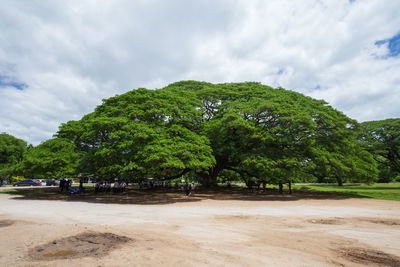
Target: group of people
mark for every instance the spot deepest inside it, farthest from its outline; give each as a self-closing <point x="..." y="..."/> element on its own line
<point x="120" y="186"/>
<point x="254" y="184"/>
<point x="189" y="188"/>
<point x="106" y="187"/>
<point x="154" y="184"/>
<point x="65" y="185"/>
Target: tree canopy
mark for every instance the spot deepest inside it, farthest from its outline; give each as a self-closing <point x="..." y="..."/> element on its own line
<point x="206" y="130"/>
<point x="382" y="140"/>
<point x="54" y="158"/>
<point x="11" y="152"/>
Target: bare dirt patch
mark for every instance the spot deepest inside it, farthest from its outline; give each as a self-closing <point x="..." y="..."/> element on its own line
<point x="327" y="221"/>
<point x="369" y="257"/>
<point x="5" y="223"/>
<point x="390" y="222"/>
<point x="234" y="217"/>
<point x="218" y="230"/>
<point x="89" y="244"/>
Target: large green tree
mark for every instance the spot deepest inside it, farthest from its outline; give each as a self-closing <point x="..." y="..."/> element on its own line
<point x="207" y="130"/>
<point x="382" y="140"/>
<point x="275" y="135"/>
<point x="11" y="152"/>
<point x="54" y="158"/>
<point x="143" y="133"/>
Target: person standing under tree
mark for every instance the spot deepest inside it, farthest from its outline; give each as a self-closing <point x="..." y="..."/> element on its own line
<point x="62" y="184"/>
<point x="116" y="186"/>
<point x="280" y="187"/>
<point x="187" y="189"/>
<point x="67" y="184"/>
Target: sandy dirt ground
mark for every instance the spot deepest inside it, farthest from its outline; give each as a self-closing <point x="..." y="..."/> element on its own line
<point x="208" y="232"/>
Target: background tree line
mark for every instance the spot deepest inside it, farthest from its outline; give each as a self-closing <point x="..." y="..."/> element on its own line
<point x="243" y="131"/>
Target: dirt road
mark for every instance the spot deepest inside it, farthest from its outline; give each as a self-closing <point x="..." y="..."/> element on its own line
<point x="346" y="232"/>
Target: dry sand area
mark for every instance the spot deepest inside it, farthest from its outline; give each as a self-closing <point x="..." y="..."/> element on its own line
<point x="208" y="231"/>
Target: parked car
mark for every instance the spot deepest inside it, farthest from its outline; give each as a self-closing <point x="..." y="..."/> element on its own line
<point x="52" y="182"/>
<point x="28" y="182"/>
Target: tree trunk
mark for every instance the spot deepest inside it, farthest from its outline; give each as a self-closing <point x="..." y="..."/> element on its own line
<point x="339" y="180"/>
<point x="290" y="187"/>
<point x="280" y="188"/>
<point x="320" y="179"/>
<point x="209" y="181"/>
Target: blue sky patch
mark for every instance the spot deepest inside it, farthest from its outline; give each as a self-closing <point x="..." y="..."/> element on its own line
<point x="393" y="45"/>
<point x="6" y="81"/>
<point x="280" y="71"/>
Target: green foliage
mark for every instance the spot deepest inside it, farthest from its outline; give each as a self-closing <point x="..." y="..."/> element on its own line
<point x="11" y="152"/>
<point x="140" y="134"/>
<point x="55" y="158"/>
<point x="16" y="179"/>
<point x="275" y="135"/>
<point x="382" y="139"/>
<point x="247" y="130"/>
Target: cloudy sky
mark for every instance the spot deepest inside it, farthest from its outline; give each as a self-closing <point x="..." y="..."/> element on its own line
<point x="58" y="59"/>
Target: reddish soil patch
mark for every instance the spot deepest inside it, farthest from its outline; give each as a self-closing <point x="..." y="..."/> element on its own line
<point x="369" y="257"/>
<point x="5" y="223"/>
<point x="87" y="244"/>
<point x="383" y="221"/>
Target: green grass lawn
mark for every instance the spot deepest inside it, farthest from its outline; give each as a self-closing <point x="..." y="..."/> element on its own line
<point x="377" y="191"/>
<point x="21" y="192"/>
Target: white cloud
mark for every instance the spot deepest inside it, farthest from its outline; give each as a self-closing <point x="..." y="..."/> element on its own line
<point x="71" y="55"/>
